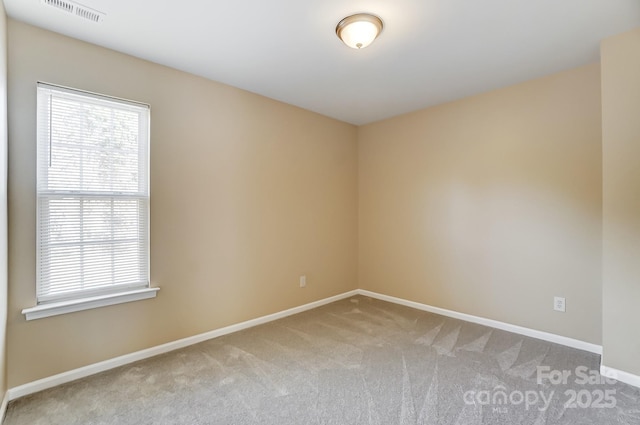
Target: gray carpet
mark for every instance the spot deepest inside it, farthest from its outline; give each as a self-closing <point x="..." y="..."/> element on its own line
<point x="356" y="361"/>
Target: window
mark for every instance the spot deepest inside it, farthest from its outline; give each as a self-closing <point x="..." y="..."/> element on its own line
<point x="92" y="196"/>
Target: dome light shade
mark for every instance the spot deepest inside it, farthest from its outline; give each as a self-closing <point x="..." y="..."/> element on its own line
<point x="358" y="31"/>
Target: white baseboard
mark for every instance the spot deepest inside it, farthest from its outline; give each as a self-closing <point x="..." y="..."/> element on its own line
<point x="563" y="340"/>
<point x="72" y="375"/>
<point x="619" y="375"/>
<point x="3" y="406"/>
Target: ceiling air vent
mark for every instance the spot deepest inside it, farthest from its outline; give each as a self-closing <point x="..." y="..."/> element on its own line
<point x="88" y="14"/>
<point x="76" y="9"/>
<point x="60" y="4"/>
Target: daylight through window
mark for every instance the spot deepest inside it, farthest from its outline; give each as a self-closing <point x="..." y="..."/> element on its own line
<point x="92" y="194"/>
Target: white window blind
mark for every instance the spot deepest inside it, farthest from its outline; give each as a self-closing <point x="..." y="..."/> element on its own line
<point x="92" y="194"/>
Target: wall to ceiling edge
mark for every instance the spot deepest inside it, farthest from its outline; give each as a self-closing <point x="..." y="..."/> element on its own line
<point x="620" y="58"/>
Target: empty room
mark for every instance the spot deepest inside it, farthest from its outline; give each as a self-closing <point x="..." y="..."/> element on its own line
<point x="320" y="212"/>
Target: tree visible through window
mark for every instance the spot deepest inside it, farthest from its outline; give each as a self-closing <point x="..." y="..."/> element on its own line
<point x="93" y="194"/>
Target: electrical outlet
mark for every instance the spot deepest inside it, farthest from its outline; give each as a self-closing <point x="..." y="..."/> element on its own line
<point x="303" y="281"/>
<point x="559" y="304"/>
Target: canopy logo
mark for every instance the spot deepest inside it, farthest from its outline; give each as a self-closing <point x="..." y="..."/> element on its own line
<point x="574" y="398"/>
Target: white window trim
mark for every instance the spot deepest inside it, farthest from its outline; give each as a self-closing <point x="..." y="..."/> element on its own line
<point x="63" y="307"/>
<point x="55" y="308"/>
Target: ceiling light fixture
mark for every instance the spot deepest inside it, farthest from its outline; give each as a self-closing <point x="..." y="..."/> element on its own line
<point x="359" y="30"/>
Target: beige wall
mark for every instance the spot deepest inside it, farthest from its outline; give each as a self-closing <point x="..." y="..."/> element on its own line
<point x="620" y="57"/>
<point x="490" y="205"/>
<point x="3" y="198"/>
<point x="246" y="195"/>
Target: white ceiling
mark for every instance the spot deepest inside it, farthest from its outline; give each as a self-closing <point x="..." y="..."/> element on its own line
<point x="430" y="51"/>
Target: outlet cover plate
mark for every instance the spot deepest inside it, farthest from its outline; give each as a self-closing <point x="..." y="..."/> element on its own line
<point x="559" y="304"/>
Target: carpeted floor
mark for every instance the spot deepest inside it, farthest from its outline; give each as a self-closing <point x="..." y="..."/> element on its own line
<point x="356" y="361"/>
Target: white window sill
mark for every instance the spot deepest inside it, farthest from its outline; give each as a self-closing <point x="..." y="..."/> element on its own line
<point x="63" y="307"/>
